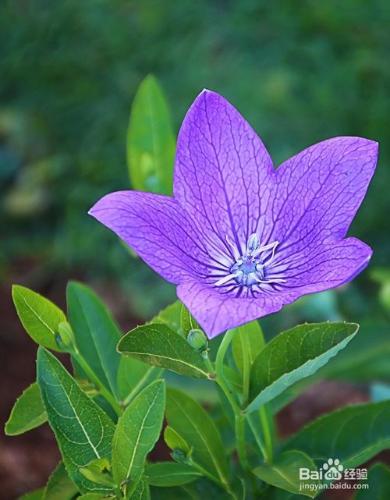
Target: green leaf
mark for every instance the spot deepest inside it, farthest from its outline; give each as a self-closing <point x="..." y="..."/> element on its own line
<point x="150" y="140"/>
<point x="247" y="343"/>
<point x="82" y="429"/>
<point x="193" y="424"/>
<point x="176" y="493"/>
<point x="33" y="495"/>
<point x="133" y="376"/>
<point x="353" y="434"/>
<point x="171" y="316"/>
<point x="98" y="471"/>
<point x="59" y="485"/>
<point x="284" y="472"/>
<point x="166" y="474"/>
<point x="232" y="377"/>
<point x="141" y="492"/>
<point x="174" y="441"/>
<point x="137" y="432"/>
<point x="96" y="333"/>
<point x="93" y="496"/>
<point x="378" y="484"/>
<point x="291" y="393"/>
<point x="28" y="412"/>
<point x="187" y="321"/>
<point x="273" y="493"/>
<point x="38" y="315"/>
<point x="294" y="355"/>
<point x="158" y="345"/>
<point x="366" y="359"/>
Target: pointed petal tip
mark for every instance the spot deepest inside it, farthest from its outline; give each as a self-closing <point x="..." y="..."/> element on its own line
<point x="108" y="202"/>
<point x="207" y="91"/>
<point x="209" y="95"/>
<point x="102" y="209"/>
<point x="371" y="147"/>
<point x="95" y="208"/>
<point x="370" y="143"/>
<point x="366" y="255"/>
<point x="375" y="146"/>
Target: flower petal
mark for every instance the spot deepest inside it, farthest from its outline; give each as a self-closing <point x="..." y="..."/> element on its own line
<point x="328" y="266"/>
<point x="217" y="312"/>
<point x="320" y="190"/>
<point x="156" y="227"/>
<point x="222" y="172"/>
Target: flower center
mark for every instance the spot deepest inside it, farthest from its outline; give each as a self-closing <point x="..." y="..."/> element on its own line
<point x="247" y="270"/>
<point x="251" y="267"/>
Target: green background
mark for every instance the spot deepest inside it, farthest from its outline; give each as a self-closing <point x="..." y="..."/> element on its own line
<point x="299" y="72"/>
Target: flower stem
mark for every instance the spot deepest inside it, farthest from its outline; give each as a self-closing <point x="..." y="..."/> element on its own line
<point x="239" y="423"/>
<point x="239" y="417"/>
<point x="223" y="386"/>
<point x="227" y="338"/>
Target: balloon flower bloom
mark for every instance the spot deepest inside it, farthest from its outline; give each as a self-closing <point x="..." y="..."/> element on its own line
<point x="240" y="238"/>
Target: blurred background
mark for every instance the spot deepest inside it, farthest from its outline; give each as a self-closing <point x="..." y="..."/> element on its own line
<point x="299" y="72"/>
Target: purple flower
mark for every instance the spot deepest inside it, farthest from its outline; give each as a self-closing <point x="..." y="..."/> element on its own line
<point x="239" y="237"/>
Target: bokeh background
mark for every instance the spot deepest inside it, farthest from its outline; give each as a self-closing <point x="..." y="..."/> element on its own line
<point x="299" y="72"/>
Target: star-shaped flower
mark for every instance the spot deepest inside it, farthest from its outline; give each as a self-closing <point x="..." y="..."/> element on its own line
<point x="239" y="238"/>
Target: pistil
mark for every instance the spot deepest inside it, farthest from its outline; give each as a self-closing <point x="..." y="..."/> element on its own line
<point x="251" y="268"/>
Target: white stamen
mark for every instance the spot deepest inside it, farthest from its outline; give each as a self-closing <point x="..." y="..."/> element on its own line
<point x="272" y="280"/>
<point x="226" y="279"/>
<point x="271" y="246"/>
<point x="233" y="247"/>
<point x="250" y="268"/>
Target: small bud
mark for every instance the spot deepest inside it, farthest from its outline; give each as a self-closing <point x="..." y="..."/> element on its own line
<point x="65" y="338"/>
<point x="197" y="340"/>
<point x="179" y="456"/>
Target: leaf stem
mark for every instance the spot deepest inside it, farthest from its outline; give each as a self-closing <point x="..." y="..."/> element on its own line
<point x="264" y="420"/>
<point x="258" y="439"/>
<point x="239" y="420"/>
<point x="91" y="375"/>
<point x="209" y="364"/>
<point x="220" y="482"/>
<point x="265" y="440"/>
<point x="245" y="381"/>
<point x="206" y="473"/>
<point x="225" y="389"/>
<point x="137" y="387"/>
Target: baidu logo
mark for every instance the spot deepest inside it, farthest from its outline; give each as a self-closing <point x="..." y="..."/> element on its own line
<point x="333" y="469"/>
<point x="329" y="475"/>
